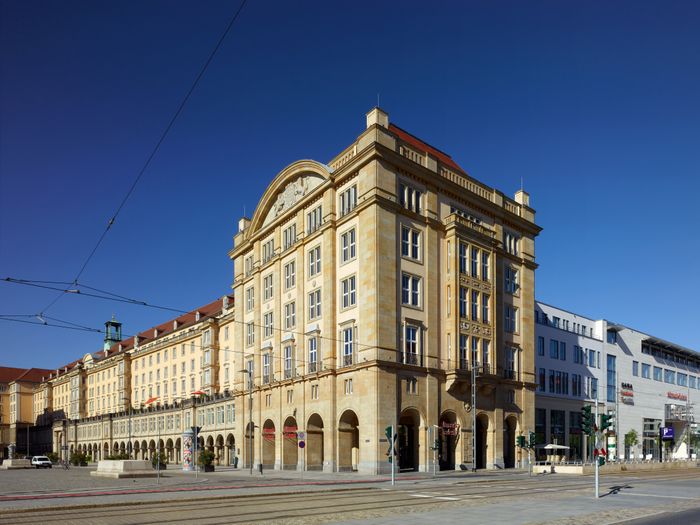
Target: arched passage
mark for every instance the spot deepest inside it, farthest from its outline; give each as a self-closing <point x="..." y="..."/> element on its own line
<point x="144" y="450"/>
<point x="105" y="448"/>
<point x="314" y="443"/>
<point x="169" y="450"/>
<point x="268" y="444"/>
<point x="137" y="450"/>
<point x="290" y="450"/>
<point x="178" y="450"/>
<point x="482" y="428"/>
<point x="409" y="424"/>
<point x="230" y="449"/>
<point x="348" y="441"/>
<point x="509" y="431"/>
<point x="220" y="456"/>
<point x="448" y="436"/>
<point x="248" y="453"/>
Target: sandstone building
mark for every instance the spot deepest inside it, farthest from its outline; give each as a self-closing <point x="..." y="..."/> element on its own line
<point x="365" y="292"/>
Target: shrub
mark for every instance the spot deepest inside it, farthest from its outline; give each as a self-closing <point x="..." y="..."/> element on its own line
<point x="53" y="457"/>
<point x="206" y="457"/>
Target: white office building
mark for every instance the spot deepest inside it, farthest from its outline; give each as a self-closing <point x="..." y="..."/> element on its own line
<point x="648" y="383"/>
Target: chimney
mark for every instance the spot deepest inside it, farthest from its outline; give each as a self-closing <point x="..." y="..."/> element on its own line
<point x="377" y="116"/>
<point x="522" y="197"/>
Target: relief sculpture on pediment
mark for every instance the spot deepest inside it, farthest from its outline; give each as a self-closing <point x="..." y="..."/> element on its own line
<point x="291" y="194"/>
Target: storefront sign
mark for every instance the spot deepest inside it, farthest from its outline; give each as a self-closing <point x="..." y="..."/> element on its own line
<point x="627" y="386"/>
<point x="676" y="395"/>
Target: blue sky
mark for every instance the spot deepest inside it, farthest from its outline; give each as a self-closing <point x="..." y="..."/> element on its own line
<point x="594" y="104"/>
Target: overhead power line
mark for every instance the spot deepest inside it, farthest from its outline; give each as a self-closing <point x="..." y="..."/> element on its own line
<point x="108" y="296"/>
<point x="153" y="153"/>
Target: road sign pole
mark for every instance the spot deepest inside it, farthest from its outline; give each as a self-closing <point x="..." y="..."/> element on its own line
<point x="393" y="456"/>
<point x="595" y="457"/>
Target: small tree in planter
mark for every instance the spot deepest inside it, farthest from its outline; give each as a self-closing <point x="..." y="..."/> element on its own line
<point x="206" y="460"/>
<point x="159" y="458"/>
<point x="78" y="459"/>
<point x="631" y="440"/>
<point x="53" y="457"/>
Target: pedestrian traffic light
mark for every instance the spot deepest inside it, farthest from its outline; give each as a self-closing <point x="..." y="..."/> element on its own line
<point x="521" y="441"/>
<point x="601" y="461"/>
<point x="606" y="421"/>
<point x="533" y="440"/>
<point x="387" y="433"/>
<point x="587" y="420"/>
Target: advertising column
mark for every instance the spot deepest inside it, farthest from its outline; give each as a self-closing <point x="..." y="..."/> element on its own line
<point x="188" y="451"/>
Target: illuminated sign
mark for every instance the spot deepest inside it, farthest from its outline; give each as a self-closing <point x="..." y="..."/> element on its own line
<point x="667" y="433"/>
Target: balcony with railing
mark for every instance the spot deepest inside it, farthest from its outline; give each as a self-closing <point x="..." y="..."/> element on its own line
<point x="675" y="412"/>
<point x="509" y="373"/>
<point x="348" y="360"/>
<point x="312" y="367"/>
<point x="266" y="379"/>
<point x="288" y="373"/>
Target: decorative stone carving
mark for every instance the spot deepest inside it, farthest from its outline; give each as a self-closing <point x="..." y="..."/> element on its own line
<point x="291" y="194"/>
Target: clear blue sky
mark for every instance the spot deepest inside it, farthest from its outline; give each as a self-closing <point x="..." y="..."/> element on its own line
<point x="594" y="104"/>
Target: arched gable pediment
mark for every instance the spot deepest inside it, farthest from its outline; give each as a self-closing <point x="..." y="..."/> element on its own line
<point x="290" y="185"/>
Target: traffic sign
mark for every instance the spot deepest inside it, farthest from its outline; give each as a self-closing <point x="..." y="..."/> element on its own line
<point x="302" y="444"/>
<point x="300" y="435"/>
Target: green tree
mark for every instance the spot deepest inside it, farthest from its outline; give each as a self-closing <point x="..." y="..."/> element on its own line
<point x="631" y="438"/>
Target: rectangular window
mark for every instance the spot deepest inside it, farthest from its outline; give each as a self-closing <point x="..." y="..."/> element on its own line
<point x="562" y="350"/>
<point x="475" y="262"/>
<point x="314" y="261"/>
<point x="266" y="368"/>
<point x="611" y="378"/>
<point x="485" y="343"/>
<point x="463" y="251"/>
<point x="540" y="345"/>
<point x="463" y="352"/>
<point x="315" y="304"/>
<point x="646" y="371"/>
<point x="463" y="302"/>
<point x="268" y="250"/>
<point x="313" y="354"/>
<point x="289" y="236"/>
<point x="410" y="289"/>
<point x="554" y="349"/>
<point x="552" y="382"/>
<point x="509" y="369"/>
<point x="485" y="265"/>
<point x="250" y="334"/>
<point x="267" y="287"/>
<point x="657" y="373"/>
<point x="485" y="298"/>
<point x="347" y="340"/>
<point x="267" y="323"/>
<point x="635" y="368"/>
<point x="347" y="246"/>
<point x="542" y="380"/>
<point x="348" y="200"/>
<point x="288" y="362"/>
<point x="313" y="220"/>
<point x="290" y="315"/>
<point x="692" y="382"/>
<point x="410" y="198"/>
<point x="510" y="242"/>
<point x="511" y="319"/>
<point x="591" y="358"/>
<point x="411" y="356"/>
<point x="594" y="388"/>
<point x="682" y="379"/>
<point x="410" y="243"/>
<point x="348" y="292"/>
<point x="290" y="275"/>
<point x="511" y="279"/>
<point x="670" y="377"/>
<point x="348" y="387"/>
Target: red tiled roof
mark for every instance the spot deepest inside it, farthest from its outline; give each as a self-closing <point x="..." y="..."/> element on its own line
<point x="33" y="375"/>
<point x="425" y="147"/>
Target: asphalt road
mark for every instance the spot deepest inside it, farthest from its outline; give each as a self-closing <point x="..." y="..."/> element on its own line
<point x="458" y="499"/>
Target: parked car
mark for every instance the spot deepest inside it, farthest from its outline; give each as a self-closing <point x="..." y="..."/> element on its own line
<point x="41" y="462"/>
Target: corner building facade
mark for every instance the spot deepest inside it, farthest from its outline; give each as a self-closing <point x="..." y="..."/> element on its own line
<point x="370" y="292"/>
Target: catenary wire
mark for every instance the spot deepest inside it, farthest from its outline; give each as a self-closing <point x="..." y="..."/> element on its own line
<point x="153" y="153"/>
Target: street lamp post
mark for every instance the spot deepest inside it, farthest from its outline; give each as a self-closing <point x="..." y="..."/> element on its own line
<point x="250" y="416"/>
<point x="129" y="446"/>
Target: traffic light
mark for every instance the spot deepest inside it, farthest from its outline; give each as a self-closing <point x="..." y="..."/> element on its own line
<point x="521" y="441"/>
<point x="387" y="433"/>
<point x="601" y="461"/>
<point x="392" y="444"/>
<point x="587" y="420"/>
<point x="606" y="421"/>
<point x="533" y="440"/>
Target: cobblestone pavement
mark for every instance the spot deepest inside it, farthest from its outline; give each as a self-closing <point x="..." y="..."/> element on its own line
<point x="513" y="499"/>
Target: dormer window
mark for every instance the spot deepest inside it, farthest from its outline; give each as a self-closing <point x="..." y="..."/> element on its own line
<point x="174" y="325"/>
<point x="196" y="316"/>
<point x="155" y="332"/>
